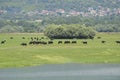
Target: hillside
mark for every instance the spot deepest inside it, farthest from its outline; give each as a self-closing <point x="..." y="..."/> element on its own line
<point x="94" y="7"/>
<point x="54" y="4"/>
<point x="100" y="13"/>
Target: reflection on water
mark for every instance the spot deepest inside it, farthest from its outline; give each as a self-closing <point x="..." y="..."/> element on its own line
<point x="64" y="72"/>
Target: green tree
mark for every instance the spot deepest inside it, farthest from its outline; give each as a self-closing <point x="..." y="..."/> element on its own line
<point x="69" y="32"/>
<point x="11" y="29"/>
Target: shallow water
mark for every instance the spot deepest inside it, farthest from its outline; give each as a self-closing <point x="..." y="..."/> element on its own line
<point x="63" y="72"/>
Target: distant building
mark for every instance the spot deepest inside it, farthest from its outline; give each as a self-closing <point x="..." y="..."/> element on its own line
<point x="3" y="11"/>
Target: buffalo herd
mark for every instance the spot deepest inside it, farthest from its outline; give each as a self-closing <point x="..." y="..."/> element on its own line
<point x="36" y="41"/>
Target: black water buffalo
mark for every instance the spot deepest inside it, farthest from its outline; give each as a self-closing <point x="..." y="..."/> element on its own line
<point x="11" y="37"/>
<point x="32" y="38"/>
<point x="67" y="42"/>
<point x="118" y="42"/>
<point x="42" y="37"/>
<point x="23" y="44"/>
<point x="98" y="37"/>
<point x="37" y="38"/>
<point x="103" y="41"/>
<point x="37" y="42"/>
<point x="59" y="42"/>
<point x="84" y="42"/>
<point x="74" y="42"/>
<point x="23" y="37"/>
<point x="50" y="42"/>
<point x="43" y="42"/>
<point x="91" y="37"/>
<point x="3" y="42"/>
<point x="32" y="42"/>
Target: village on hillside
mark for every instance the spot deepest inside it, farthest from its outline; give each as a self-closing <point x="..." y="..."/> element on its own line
<point x="100" y="11"/>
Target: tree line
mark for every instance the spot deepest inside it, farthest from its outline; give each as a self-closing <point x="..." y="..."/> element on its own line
<point x="12" y="26"/>
<point x="100" y="24"/>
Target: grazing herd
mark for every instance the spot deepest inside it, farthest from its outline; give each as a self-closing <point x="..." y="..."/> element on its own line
<point x="51" y="42"/>
<point x="36" y="41"/>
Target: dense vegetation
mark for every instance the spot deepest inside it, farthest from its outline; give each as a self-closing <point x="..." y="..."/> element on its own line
<point x="100" y="24"/>
<point x="20" y="26"/>
<point x="79" y="5"/>
<point x="69" y="32"/>
<point x="22" y="15"/>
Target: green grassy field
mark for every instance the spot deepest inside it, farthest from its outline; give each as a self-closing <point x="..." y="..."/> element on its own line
<point x="12" y="54"/>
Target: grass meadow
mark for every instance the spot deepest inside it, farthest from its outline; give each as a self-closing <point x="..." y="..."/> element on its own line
<point x="12" y="54"/>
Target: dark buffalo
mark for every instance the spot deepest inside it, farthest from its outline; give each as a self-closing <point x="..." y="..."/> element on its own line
<point x="32" y="42"/>
<point x="3" y="42"/>
<point x="37" y="42"/>
<point x="50" y="42"/>
<point x="37" y="38"/>
<point x="74" y="42"/>
<point x="98" y="37"/>
<point x="118" y="42"/>
<point x="84" y="42"/>
<point x="103" y="41"/>
<point x="32" y="38"/>
<point x="91" y="37"/>
<point x="59" y="42"/>
<point x="42" y="37"/>
<point x="67" y="42"/>
<point x="43" y="42"/>
<point x="23" y="37"/>
<point x="23" y="44"/>
<point x="11" y="37"/>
